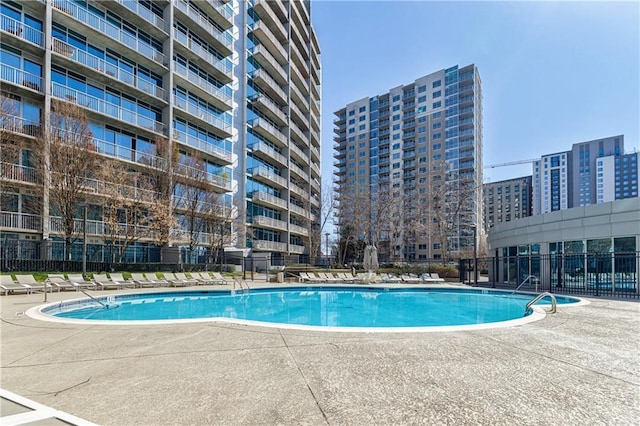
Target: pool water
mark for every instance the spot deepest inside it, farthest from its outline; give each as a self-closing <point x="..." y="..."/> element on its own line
<point x="311" y="306"/>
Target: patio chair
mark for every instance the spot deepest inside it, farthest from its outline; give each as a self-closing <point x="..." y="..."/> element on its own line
<point x="307" y="277"/>
<point x="104" y="282"/>
<point x="436" y="278"/>
<point x="219" y="278"/>
<point x="142" y="281"/>
<point x="79" y="282"/>
<point x="31" y="282"/>
<point x="173" y="280"/>
<point x="119" y="279"/>
<point x="409" y="279"/>
<point x="329" y="277"/>
<point x="188" y="281"/>
<point x="389" y="278"/>
<point x="59" y="282"/>
<point x="9" y="286"/>
<point x="204" y="278"/>
<point x="345" y="277"/>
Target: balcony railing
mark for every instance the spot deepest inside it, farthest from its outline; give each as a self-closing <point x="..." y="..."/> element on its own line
<point x="144" y="13"/>
<point x="271" y="106"/>
<point x="296" y="249"/>
<point x="269" y="222"/>
<point x="22" y="221"/>
<point x="262" y="27"/>
<point x="202" y="145"/>
<point x="19" y="125"/>
<point x="103" y="107"/>
<point x="21" y="78"/>
<point x="222" y="8"/>
<point x="268" y="198"/>
<point x="269" y="245"/>
<point x="268" y="174"/>
<point x="263" y="147"/>
<point x="204" y="23"/>
<point x="109" y="29"/>
<point x="84" y="58"/>
<point x="261" y="74"/>
<point x="298" y="210"/>
<point x="21" y="30"/>
<point x="201" y="82"/>
<point x="201" y="113"/>
<point x="298" y="229"/>
<point x="270" y="62"/>
<point x="203" y="53"/>
<point x="297" y="151"/>
<point x="271" y="131"/>
<point x="18" y="173"/>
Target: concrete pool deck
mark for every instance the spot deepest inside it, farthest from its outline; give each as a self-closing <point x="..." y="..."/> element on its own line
<point x="579" y="366"/>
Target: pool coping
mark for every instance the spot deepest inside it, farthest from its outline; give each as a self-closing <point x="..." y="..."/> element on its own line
<point x="538" y="313"/>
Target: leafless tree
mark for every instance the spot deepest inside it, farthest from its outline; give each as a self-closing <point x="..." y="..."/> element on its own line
<point x="354" y="221"/>
<point x="124" y="207"/>
<point x="67" y="160"/>
<point x="10" y="124"/>
<point x="317" y="222"/>
<point x="218" y="218"/>
<point x="159" y="179"/>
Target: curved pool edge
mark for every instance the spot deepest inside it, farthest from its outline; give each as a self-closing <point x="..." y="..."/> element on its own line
<point x="538" y="313"/>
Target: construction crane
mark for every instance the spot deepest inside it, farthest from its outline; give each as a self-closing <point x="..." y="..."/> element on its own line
<point x="510" y="163"/>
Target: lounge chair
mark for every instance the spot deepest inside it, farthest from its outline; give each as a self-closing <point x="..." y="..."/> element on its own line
<point x="329" y="277"/>
<point x="219" y="279"/>
<point x="173" y="280"/>
<point x="345" y="277"/>
<point x="30" y="281"/>
<point x="142" y="281"/>
<point x="119" y="279"/>
<point x="434" y="277"/>
<point x="409" y="279"/>
<point x="188" y="281"/>
<point x="9" y="286"/>
<point x="388" y="278"/>
<point x="79" y="282"/>
<point x="204" y="278"/>
<point x="59" y="282"/>
<point x="308" y="278"/>
<point x="366" y="278"/>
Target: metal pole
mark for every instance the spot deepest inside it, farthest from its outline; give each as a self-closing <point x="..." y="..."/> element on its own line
<point x="475" y="256"/>
<point x="84" y="241"/>
<point x="327" y="244"/>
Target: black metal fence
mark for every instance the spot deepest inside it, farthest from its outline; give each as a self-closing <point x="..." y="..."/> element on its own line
<point x="594" y="274"/>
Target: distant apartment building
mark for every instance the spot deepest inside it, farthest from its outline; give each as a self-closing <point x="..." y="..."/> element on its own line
<point x="506" y="200"/>
<point x="403" y="146"/>
<point x="617" y="177"/>
<point x="235" y="83"/>
<point x="569" y="179"/>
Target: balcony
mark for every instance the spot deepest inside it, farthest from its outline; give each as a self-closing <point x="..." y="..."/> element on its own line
<point x="266" y="60"/>
<point x="266" y="38"/>
<point x="299" y="190"/>
<point x="295" y="249"/>
<point x="266" y="13"/>
<point x="18" y="29"/>
<point x="192" y="173"/>
<point x="10" y="221"/>
<point x="106" y="108"/>
<point x="298" y="115"/>
<point x="299" y="134"/>
<point x="265" y="175"/>
<point x="18" y="173"/>
<point x="221" y="41"/>
<point x="145" y="14"/>
<point x="299" y="172"/>
<point x="21" y="78"/>
<point x="98" y="227"/>
<point x="102" y="26"/>
<point x="298" y="153"/>
<point x="222" y="68"/>
<point x="315" y="153"/>
<point x="267" y="151"/>
<point x="269" y="131"/>
<point x="300" y="211"/>
<point x="299" y="81"/>
<point x="315" y="169"/>
<point x="269" y="245"/>
<point x="205" y="88"/>
<point x="20" y="126"/>
<point x="269" y="108"/>
<point x="299" y="98"/>
<point x="298" y="60"/>
<point x="269" y="85"/>
<point x="206" y="116"/>
<point x="220" y="12"/>
<point x="271" y="200"/>
<point x="111" y="71"/>
<point x="202" y="145"/>
<point x="300" y="230"/>
<point x="269" y="222"/>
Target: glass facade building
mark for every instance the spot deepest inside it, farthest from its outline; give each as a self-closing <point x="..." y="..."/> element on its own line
<point x="235" y="83"/>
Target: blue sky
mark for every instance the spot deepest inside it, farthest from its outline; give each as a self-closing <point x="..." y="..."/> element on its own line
<point x="553" y="73"/>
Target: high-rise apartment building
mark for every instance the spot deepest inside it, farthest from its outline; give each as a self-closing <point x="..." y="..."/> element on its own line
<point x="236" y="84"/>
<point x="617" y="177"/>
<point x="568" y="179"/>
<point x="414" y="150"/>
<point x="506" y="200"/>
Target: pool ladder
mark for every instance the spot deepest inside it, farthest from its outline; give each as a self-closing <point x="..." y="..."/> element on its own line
<point x="525" y="281"/>
<point x="242" y="284"/>
<point x="540" y="297"/>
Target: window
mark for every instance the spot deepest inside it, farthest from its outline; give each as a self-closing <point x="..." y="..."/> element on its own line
<point x="396" y="98"/>
<point x="422" y="89"/>
<point x="396" y="117"/>
<point x="437" y="114"/>
<point x="362" y="118"/>
<point x="396" y="108"/>
<point x="422" y="129"/>
<point x="422" y="99"/>
<point x="436" y="135"/>
<point x="363" y="109"/>
<point x="352" y="113"/>
<point x="362" y="127"/>
<point x="436" y="125"/>
<point x="436" y="83"/>
<point x="437" y="104"/>
<point x="437" y="94"/>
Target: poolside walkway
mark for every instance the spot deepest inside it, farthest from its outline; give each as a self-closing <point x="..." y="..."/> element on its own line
<point x="580" y="366"/>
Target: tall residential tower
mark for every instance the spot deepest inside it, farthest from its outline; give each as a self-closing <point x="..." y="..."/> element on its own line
<point x="233" y="83"/>
<point x="415" y="153"/>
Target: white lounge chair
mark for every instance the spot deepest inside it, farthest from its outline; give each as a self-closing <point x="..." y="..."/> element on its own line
<point x="119" y="279"/>
<point x="188" y="281"/>
<point x="140" y="280"/>
<point x="31" y="282"/>
<point x="173" y="280"/>
<point x="9" y="286"/>
<point x="79" y="282"/>
<point x="219" y="278"/>
<point x="59" y="282"/>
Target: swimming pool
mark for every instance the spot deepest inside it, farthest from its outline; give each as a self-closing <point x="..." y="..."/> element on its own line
<point x="326" y="307"/>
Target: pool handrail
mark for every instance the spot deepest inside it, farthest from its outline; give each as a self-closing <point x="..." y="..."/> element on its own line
<point x="523" y="283"/>
<point x="540" y="297"/>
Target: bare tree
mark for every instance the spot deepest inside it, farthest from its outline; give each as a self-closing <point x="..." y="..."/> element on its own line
<point x="318" y="220"/>
<point x="124" y="207"/>
<point x="67" y="161"/>
<point x="354" y="221"/>
<point x="218" y="217"/>
<point x="10" y="124"/>
<point x="159" y="178"/>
